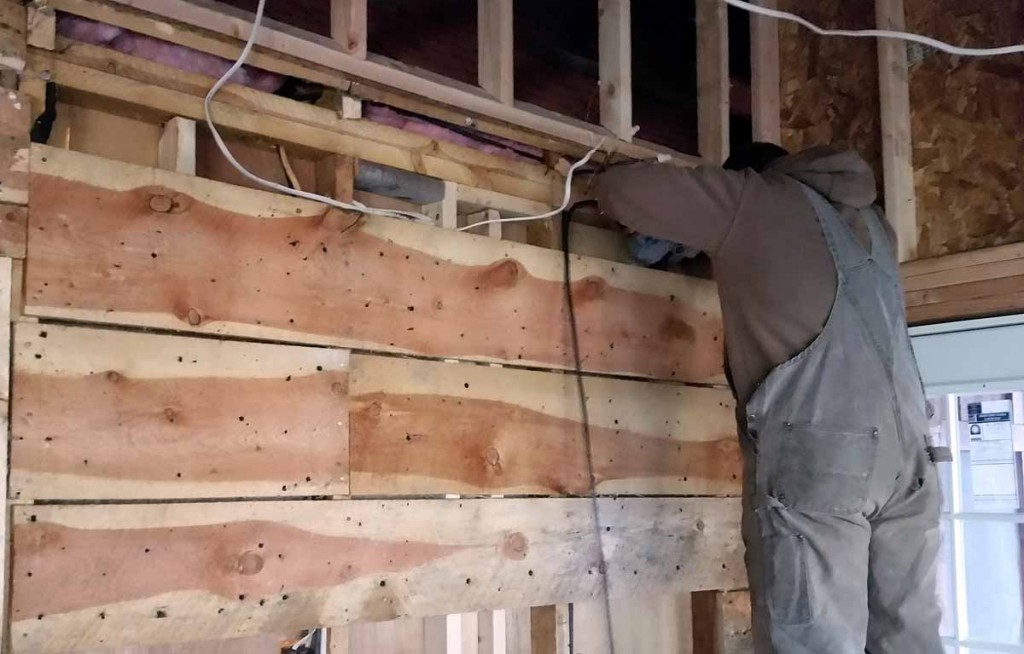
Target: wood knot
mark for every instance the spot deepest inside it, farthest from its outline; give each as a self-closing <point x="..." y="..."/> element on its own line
<point x="335" y="219"/>
<point x="675" y="328"/>
<point x="492" y="456"/>
<point x="503" y="274"/>
<point x="248" y="563"/>
<point x="589" y="289"/>
<point x="373" y="411"/>
<point x="515" y="546"/>
<point x="113" y="376"/>
<point x="194" y="317"/>
<point x="338" y="388"/>
<point x="700" y="525"/>
<point x="170" y="414"/>
<point x="161" y="203"/>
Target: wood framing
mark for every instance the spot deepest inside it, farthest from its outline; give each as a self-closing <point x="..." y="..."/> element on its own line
<point x="255" y="264"/>
<point x="167" y="93"/>
<point x="401" y="636"/>
<point x="488" y="219"/>
<point x="241" y="565"/>
<point x="335" y="178"/>
<point x="722" y="623"/>
<point x="236" y="412"/>
<point x="7" y="282"/>
<point x="304" y="55"/>
<point x="616" y="67"/>
<point x="13" y="230"/>
<point x="42" y="25"/>
<point x="348" y="26"/>
<point x="15" y="124"/>
<point x="764" y="77"/>
<point x="177" y="147"/>
<point x="495" y="49"/>
<point x="446" y="211"/>
<point x="713" y="80"/>
<point x="13" y="25"/>
<point x="470" y="199"/>
<point x="652" y="624"/>
<point x="518" y="631"/>
<point x="897" y="149"/>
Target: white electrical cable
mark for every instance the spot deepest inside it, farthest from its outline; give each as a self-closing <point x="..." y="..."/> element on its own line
<point x="554" y="212"/>
<point x="346" y="206"/>
<point x="877" y="33"/>
<point x="280" y="188"/>
<point x="361" y="208"/>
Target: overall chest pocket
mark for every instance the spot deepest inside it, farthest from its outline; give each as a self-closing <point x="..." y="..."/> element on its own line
<point x="821" y="469"/>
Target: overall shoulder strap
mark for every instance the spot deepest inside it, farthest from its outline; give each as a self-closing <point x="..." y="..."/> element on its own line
<point x="846" y="249"/>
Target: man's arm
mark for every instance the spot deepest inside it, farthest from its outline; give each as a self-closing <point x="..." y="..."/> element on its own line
<point x="693" y="206"/>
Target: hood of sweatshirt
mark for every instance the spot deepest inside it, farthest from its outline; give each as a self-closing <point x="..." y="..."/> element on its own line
<point x="840" y="175"/>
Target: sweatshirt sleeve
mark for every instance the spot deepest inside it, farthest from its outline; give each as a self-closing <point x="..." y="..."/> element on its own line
<point x="692" y="206"/>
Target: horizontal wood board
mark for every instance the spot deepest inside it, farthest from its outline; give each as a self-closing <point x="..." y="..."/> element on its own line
<point x="109" y="575"/>
<point x="100" y="414"/>
<point x="966" y="285"/>
<point x="123" y="244"/>
<point x="104" y="414"/>
<point x="434" y="427"/>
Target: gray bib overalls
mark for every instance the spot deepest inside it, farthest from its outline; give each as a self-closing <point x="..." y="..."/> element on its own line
<point x="841" y="498"/>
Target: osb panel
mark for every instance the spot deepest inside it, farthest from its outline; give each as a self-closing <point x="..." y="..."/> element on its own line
<point x="830" y="85"/>
<point x="968" y="125"/>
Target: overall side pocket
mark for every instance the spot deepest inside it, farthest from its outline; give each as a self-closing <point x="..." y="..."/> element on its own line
<point x="786" y="581"/>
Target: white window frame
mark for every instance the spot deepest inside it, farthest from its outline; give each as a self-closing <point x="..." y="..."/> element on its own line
<point x="996" y="354"/>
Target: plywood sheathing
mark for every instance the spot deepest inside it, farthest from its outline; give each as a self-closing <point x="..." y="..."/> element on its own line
<point x="830" y="85"/>
<point x="968" y="125"/>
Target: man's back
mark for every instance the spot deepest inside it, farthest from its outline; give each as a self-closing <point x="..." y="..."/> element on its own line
<point x="841" y="492"/>
<point x="775" y="274"/>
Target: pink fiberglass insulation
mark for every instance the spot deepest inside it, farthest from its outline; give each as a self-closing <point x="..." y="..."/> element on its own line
<point x="164" y="52"/>
<point x="193" y="61"/>
<point x="498" y="146"/>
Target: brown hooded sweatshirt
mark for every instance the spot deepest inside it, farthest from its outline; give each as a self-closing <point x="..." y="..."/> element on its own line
<point x="775" y="275"/>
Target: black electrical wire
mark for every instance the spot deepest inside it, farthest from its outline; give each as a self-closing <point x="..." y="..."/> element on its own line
<point x="574" y="338"/>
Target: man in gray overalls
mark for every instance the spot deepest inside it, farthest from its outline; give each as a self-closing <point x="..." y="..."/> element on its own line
<point x="841" y="493"/>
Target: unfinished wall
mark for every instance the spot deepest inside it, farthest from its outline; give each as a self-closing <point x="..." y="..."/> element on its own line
<point x="968" y="126"/>
<point x="197" y="452"/>
<point x="830" y="85"/>
<point x="967" y="114"/>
